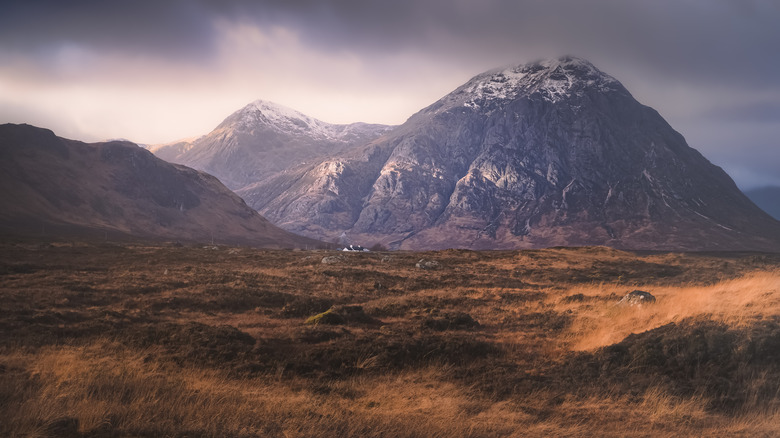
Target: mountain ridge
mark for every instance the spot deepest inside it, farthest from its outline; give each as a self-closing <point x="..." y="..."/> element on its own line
<point x="541" y="154"/>
<point x="261" y="138"/>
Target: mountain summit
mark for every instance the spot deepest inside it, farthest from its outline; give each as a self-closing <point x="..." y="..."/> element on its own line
<point x="549" y="153"/>
<point x="553" y="80"/>
<point x="263" y="138"/>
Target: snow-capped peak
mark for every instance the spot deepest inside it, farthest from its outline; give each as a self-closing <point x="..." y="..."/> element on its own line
<point x="265" y="115"/>
<point x="554" y="79"/>
<point x="274" y="112"/>
<point x="262" y="114"/>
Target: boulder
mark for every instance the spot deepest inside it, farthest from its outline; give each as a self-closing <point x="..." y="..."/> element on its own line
<point x="427" y="264"/>
<point x="637" y="298"/>
<point x="330" y="260"/>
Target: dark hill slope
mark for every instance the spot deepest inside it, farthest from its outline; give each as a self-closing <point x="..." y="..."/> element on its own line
<point x="51" y="185"/>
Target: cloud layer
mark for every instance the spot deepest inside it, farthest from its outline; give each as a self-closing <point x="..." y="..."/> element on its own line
<point x="155" y="71"/>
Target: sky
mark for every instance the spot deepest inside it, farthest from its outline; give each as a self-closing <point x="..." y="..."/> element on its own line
<point x="158" y="71"/>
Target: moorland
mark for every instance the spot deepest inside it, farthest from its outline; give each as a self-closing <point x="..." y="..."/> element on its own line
<point x="138" y="339"/>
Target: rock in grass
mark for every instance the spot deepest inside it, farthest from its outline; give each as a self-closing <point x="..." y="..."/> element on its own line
<point x="330" y="260"/>
<point x="427" y="264"/>
<point x="637" y="298"/>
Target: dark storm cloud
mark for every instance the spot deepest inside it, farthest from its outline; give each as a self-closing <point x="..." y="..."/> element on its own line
<point x="709" y="66"/>
<point x="162" y="28"/>
<point x="760" y="112"/>
<point x="731" y="41"/>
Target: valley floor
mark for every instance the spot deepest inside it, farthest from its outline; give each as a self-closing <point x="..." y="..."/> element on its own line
<point x="100" y="339"/>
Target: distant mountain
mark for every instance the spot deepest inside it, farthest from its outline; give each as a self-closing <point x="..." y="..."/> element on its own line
<point x="262" y="139"/>
<point x="549" y="153"/>
<point x="768" y="198"/>
<point x="55" y="186"/>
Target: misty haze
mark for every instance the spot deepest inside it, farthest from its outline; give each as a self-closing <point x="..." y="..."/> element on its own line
<point x="373" y="219"/>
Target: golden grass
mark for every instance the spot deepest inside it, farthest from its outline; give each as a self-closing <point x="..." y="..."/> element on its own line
<point x="108" y="387"/>
<point x="736" y="302"/>
<point x="132" y="341"/>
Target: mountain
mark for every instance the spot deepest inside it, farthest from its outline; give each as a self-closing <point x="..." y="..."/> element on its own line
<point x="263" y="138"/>
<point x="55" y="186"/>
<point x="544" y="154"/>
<point x="768" y="198"/>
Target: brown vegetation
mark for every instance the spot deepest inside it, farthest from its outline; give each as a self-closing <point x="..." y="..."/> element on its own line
<point x="129" y="340"/>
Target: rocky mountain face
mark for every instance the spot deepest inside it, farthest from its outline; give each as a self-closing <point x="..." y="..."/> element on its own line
<point x="768" y="198"/>
<point x="55" y="186"/>
<point x="544" y="154"/>
<point x="262" y="139"/>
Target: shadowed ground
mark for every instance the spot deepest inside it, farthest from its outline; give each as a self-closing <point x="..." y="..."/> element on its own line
<point x="100" y="339"/>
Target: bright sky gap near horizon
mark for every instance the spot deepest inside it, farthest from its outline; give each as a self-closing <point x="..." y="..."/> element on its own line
<point x="154" y="72"/>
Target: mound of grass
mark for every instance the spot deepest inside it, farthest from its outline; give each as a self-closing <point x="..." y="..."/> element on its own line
<point x="449" y="321"/>
<point x="341" y="315"/>
<point x="695" y="357"/>
<point x="329" y="316"/>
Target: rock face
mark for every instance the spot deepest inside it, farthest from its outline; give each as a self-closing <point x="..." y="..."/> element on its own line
<point x="544" y="154"/>
<point x="55" y="186"/>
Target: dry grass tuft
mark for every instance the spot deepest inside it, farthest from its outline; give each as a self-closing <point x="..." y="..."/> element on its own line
<point x="737" y="302"/>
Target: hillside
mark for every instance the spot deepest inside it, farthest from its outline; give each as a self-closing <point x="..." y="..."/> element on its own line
<point x="116" y="190"/>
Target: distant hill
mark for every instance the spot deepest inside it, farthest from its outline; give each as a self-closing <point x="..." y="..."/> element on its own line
<point x="263" y="139"/>
<point x="54" y="186"/>
<point x="768" y="198"/>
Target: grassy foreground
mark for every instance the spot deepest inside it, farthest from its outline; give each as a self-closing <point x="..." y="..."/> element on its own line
<point x="132" y="340"/>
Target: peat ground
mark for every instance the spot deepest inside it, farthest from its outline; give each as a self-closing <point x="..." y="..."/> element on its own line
<point x="128" y="339"/>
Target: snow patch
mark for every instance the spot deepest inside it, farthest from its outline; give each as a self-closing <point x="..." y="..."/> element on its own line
<point x="282" y="119"/>
<point x="555" y="79"/>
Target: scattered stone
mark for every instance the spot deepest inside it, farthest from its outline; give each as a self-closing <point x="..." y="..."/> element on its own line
<point x="330" y="260"/>
<point x="637" y="298"/>
<point x="427" y="264"/>
<point x="387" y="259"/>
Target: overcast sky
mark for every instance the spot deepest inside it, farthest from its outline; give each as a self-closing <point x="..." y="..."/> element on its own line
<point x="161" y="70"/>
